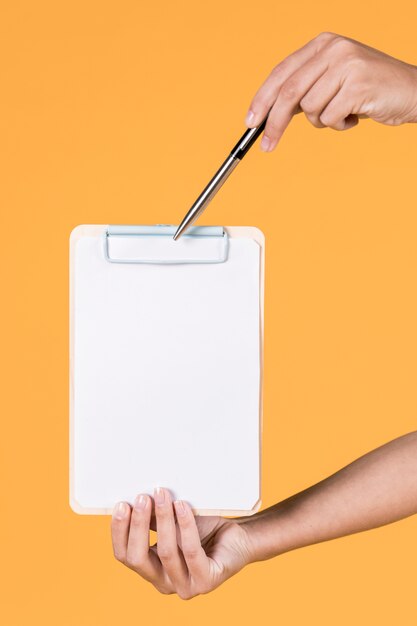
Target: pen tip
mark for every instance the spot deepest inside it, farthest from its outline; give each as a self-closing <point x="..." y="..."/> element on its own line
<point x="180" y="230"/>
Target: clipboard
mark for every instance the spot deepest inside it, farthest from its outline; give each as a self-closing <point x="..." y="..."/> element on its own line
<point x="166" y="366"/>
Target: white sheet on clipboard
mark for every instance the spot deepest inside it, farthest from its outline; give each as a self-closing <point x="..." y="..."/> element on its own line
<point x="166" y="375"/>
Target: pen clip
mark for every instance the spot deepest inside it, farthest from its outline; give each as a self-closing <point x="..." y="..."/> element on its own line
<point x="247" y="140"/>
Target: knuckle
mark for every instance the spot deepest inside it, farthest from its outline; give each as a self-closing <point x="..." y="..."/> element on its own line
<point x="164" y="552"/>
<point x="259" y="103"/>
<point x="133" y="562"/>
<point x="325" y="36"/>
<point x="279" y="69"/>
<point x="191" y="553"/>
<point x="165" y="590"/>
<point x="289" y="90"/>
<point x="324" y="119"/>
<point x="315" y="122"/>
<point x="308" y="105"/>
<point x="344" y="45"/>
<point x="328" y="120"/>
<point x="119" y="556"/>
<point x="356" y="64"/>
<point x="185" y="595"/>
<point x="272" y="128"/>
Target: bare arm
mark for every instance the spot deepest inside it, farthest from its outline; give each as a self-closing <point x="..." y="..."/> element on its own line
<point x="195" y="554"/>
<point x="334" y="81"/>
<point x="376" y="489"/>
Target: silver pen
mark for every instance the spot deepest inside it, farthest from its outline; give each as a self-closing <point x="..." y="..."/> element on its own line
<point x="236" y="155"/>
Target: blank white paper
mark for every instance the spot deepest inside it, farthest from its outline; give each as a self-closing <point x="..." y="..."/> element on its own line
<point x="166" y="378"/>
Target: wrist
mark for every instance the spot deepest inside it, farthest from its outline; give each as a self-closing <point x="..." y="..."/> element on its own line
<point x="412" y="117"/>
<point x="285" y="526"/>
<point x="266" y="533"/>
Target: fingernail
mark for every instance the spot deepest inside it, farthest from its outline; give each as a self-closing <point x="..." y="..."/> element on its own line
<point x="120" y="510"/>
<point x="265" y="143"/>
<point x="179" y="507"/>
<point x="140" y="501"/>
<point x="250" y="117"/>
<point x="159" y="495"/>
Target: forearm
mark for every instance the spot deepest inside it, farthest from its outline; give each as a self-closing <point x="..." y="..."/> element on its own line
<point x="376" y="489"/>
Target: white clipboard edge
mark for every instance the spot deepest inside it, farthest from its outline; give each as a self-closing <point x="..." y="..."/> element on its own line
<point x="232" y="231"/>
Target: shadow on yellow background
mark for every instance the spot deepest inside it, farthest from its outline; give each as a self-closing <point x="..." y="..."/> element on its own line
<point x="120" y="113"/>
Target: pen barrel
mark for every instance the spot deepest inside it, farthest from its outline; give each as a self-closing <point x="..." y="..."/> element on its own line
<point x="219" y="178"/>
<point x="247" y="141"/>
<point x="211" y="189"/>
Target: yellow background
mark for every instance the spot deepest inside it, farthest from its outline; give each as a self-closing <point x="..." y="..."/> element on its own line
<point x="119" y="112"/>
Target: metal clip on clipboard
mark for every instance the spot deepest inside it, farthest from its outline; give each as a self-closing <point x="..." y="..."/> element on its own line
<point x="155" y="244"/>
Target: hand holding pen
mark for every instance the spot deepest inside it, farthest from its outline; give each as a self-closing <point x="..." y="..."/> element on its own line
<point x="334" y="81"/>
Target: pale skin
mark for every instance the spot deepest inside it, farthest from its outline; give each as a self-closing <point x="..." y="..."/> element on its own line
<point x="335" y="81"/>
